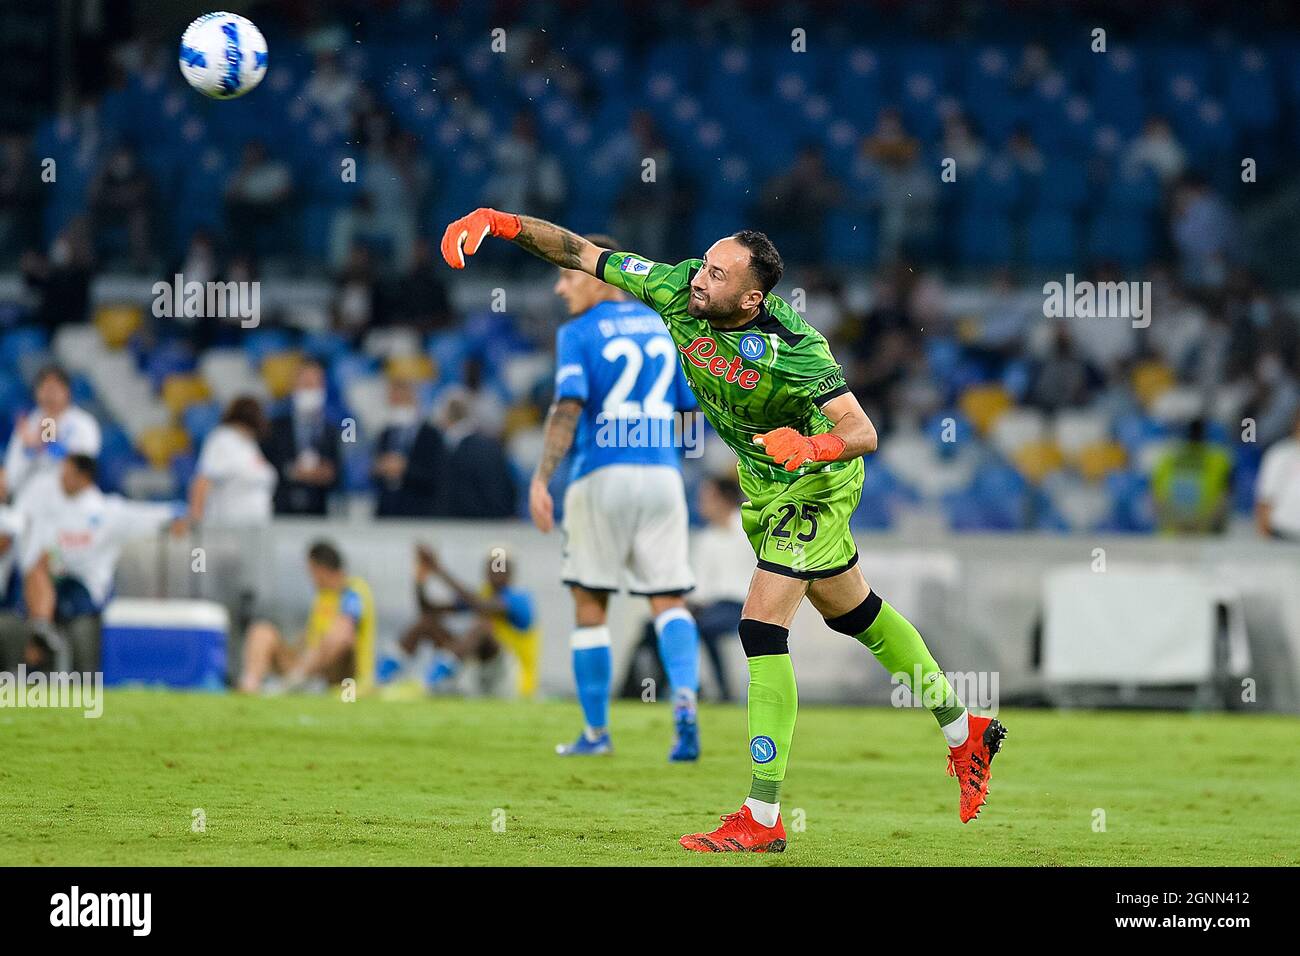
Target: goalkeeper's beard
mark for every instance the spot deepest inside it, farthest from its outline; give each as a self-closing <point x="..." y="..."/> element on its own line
<point x="719" y="317"/>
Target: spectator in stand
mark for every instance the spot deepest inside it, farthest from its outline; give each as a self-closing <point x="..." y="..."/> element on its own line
<point x="234" y="484"/>
<point x="489" y="408"/>
<point x="1277" y="489"/>
<point x="908" y="192"/>
<point x="255" y="199"/>
<point x="795" y="204"/>
<point x="724" y="562"/>
<point x="419" y="298"/>
<point x="20" y="185"/>
<point x="1063" y="379"/>
<point x="526" y="176"/>
<point x="643" y="212"/>
<point x="479" y="483"/>
<point x="1274" y="399"/>
<point x="303" y="445"/>
<point x="331" y="89"/>
<point x="1157" y="149"/>
<point x="73" y="538"/>
<point x="887" y="338"/>
<point x="47" y="434"/>
<point x="1191" y="484"/>
<point x="121" y="197"/>
<point x="358" y="295"/>
<point x="59" y="283"/>
<point x="1024" y="154"/>
<point x="1204" y="233"/>
<point x="409" y="458"/>
<point x="961" y="143"/>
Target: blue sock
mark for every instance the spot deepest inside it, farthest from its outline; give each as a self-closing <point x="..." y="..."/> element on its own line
<point x="679" y="647"/>
<point x="592" y="669"/>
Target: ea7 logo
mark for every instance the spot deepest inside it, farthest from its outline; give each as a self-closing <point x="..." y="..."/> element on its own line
<point x="702" y="353"/>
<point x="103" y="909"/>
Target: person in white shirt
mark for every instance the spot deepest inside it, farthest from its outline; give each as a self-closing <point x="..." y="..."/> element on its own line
<point x="232" y="499"/>
<point x="1277" y="489"/>
<point x="47" y="434"/>
<point x="723" y="560"/>
<point x="73" y="538"/>
<point x="234" y="484"/>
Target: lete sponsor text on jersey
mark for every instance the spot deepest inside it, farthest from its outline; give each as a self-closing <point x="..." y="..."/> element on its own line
<point x="702" y="353"/>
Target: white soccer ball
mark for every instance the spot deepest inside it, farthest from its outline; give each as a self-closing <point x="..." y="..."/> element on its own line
<point x="223" y="55"/>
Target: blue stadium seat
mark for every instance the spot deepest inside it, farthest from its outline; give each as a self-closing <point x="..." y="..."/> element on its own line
<point x="16" y="343"/>
<point x="1120" y="235"/>
<point x="1052" y="238"/>
<point x="199" y="419"/>
<point x="985" y="238"/>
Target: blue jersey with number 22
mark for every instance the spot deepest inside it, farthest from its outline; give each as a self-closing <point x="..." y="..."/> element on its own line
<point x="620" y="362"/>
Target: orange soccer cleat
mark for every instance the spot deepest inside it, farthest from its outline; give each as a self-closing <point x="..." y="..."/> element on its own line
<point x="739" y="833"/>
<point x="970" y="763"/>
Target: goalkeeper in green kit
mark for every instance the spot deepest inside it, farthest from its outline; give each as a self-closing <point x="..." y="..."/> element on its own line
<point x="770" y="387"/>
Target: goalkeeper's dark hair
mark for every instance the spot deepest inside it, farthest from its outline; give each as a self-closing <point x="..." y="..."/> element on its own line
<point x="325" y="555"/>
<point x="603" y="240"/>
<point x="764" y="260"/>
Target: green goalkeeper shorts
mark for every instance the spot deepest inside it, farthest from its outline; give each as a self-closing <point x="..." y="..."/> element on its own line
<point x="801" y="529"/>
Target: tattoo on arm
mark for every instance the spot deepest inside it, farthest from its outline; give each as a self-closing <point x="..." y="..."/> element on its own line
<point x="553" y="243"/>
<point x="561" y="423"/>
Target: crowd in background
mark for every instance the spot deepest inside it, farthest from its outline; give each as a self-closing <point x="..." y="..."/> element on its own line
<point x="1116" y="166"/>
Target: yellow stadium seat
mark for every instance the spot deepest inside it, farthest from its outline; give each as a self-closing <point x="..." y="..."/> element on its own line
<point x="1150" y="381"/>
<point x="278" y="372"/>
<point x="117" y="323"/>
<point x="1038" y="459"/>
<point x="1099" y="459"/>
<point x="161" y="443"/>
<point x="983" y="404"/>
<point x="410" y="368"/>
<point x="180" y="391"/>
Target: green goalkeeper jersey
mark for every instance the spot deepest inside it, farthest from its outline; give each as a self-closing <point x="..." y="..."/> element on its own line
<point x="773" y="371"/>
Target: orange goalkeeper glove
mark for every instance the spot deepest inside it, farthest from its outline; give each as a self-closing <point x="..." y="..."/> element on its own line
<point x="466" y="234"/>
<point x="791" y="449"/>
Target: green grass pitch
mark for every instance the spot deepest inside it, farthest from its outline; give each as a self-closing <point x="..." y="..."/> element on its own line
<point x="307" y="780"/>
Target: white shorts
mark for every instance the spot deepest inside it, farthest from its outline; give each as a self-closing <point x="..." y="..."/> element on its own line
<point x="625" y="526"/>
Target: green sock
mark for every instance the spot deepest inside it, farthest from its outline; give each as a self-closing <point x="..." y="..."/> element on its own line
<point x="897" y="645"/>
<point x="773" y="703"/>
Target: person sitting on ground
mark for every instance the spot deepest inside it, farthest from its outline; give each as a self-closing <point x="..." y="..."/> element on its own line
<point x="338" y="642"/>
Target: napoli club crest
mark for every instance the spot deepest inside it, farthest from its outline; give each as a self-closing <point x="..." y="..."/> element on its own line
<point x="753" y="347"/>
<point x="762" y="749"/>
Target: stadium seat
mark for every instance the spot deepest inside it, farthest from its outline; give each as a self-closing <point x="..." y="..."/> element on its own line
<point x="1075" y="429"/>
<point x="413" y="368"/>
<point x="159" y="444"/>
<point x="117" y="323"/>
<point x="1016" y="428"/>
<point x="1098" y="459"/>
<point x="278" y="371"/>
<point x="1037" y="459"/>
<point x="983" y="405"/>
<point x="78" y="347"/>
<point x="1150" y="380"/>
<point x="180" y="391"/>
<point x="367" y="399"/>
<point x="199" y="419"/>
<point x="229" y="374"/>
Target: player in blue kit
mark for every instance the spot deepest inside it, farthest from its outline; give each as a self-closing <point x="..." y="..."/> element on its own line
<point x="617" y="386"/>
